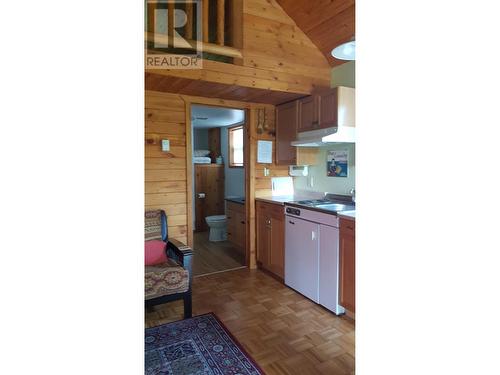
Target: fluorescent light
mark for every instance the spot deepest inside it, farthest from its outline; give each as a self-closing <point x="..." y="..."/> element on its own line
<point x="346" y="51"/>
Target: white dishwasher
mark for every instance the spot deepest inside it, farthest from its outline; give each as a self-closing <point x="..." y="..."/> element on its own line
<point x="312" y="255"/>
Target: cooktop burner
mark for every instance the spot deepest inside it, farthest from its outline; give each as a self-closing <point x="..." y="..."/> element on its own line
<point x="313" y="202"/>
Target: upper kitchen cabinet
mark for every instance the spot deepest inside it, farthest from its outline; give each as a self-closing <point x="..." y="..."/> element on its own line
<point x="286" y="131"/>
<point x="287" y="120"/>
<point x="326" y="109"/>
<point x="308" y="113"/>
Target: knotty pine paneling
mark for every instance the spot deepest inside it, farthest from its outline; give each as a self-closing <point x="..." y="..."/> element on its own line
<point x="263" y="183"/>
<point x="165" y="172"/>
<point x="280" y="63"/>
<point x="272" y="41"/>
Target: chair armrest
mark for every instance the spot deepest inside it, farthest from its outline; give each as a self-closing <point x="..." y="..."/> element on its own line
<point x="179" y="249"/>
<point x="182" y="254"/>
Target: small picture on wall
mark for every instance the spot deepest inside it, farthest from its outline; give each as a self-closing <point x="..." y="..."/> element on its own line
<point x="337" y="163"/>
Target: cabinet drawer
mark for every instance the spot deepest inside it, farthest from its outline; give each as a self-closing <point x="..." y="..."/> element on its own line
<point x="270" y="208"/>
<point x="236" y="207"/>
<point x="347" y="227"/>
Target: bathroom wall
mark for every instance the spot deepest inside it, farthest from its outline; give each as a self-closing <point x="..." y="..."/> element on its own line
<point x="235" y="177"/>
<point x="200" y="139"/>
<point x="320" y="181"/>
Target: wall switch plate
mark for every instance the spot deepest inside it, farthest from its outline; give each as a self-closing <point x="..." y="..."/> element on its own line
<point x="165" y="145"/>
<point x="266" y="171"/>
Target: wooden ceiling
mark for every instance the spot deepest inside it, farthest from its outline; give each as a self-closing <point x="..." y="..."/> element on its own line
<point x="327" y="23"/>
<point x="196" y="87"/>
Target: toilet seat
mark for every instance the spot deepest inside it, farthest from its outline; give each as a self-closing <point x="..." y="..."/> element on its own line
<point x="216" y="218"/>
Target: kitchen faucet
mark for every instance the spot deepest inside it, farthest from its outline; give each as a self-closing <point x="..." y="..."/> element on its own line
<point x="353" y="194"/>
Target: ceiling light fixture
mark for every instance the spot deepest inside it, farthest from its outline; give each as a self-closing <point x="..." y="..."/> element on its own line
<point x="345" y="51"/>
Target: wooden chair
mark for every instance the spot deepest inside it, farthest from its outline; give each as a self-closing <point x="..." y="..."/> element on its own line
<point x="172" y="280"/>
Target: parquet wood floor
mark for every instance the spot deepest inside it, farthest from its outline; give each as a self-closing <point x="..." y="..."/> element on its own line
<point x="285" y="333"/>
<point x="212" y="257"/>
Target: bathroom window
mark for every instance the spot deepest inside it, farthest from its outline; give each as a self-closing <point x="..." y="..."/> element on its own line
<point x="236" y="146"/>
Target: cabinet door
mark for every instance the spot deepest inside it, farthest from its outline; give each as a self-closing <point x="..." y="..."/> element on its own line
<point x="231" y="225"/>
<point x="263" y="223"/>
<point x="328" y="267"/>
<point x="286" y="132"/>
<point x="209" y="180"/>
<point x="328" y="109"/>
<point x="241" y="231"/>
<point x="302" y="257"/>
<point x="347" y="268"/>
<point x="277" y="248"/>
<point x="308" y="114"/>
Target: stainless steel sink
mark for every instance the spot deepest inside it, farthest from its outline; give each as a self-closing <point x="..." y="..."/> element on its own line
<point x="334" y="206"/>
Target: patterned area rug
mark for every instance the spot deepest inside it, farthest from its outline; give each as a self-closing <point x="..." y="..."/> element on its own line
<point x="196" y="346"/>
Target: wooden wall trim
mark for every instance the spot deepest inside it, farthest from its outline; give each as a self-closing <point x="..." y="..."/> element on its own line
<point x="250" y="189"/>
<point x="189" y="173"/>
<point x="250" y="167"/>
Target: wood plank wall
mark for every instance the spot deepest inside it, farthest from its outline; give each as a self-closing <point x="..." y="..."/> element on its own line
<point x="277" y="55"/>
<point x="165" y="172"/>
<point x="273" y="42"/>
<point x="262" y="184"/>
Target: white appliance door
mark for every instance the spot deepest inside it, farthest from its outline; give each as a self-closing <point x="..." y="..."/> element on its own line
<point x="301" y="256"/>
<point x="329" y="268"/>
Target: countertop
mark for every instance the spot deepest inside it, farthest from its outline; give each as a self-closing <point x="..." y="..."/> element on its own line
<point x="238" y="200"/>
<point x="347" y="214"/>
<point x="281" y="199"/>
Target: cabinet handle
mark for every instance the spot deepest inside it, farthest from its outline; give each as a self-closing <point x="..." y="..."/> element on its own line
<point x="229" y="217"/>
<point x="291" y="222"/>
<point x="242" y="222"/>
<point x="348" y="227"/>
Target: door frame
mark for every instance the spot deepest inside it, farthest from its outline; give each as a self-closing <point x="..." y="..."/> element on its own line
<point x="249" y="164"/>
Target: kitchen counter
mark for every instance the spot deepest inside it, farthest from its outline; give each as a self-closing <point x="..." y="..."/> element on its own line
<point x="238" y="200"/>
<point x="351" y="215"/>
<point x="281" y="199"/>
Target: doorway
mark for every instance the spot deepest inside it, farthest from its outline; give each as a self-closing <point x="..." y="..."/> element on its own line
<point x="218" y="185"/>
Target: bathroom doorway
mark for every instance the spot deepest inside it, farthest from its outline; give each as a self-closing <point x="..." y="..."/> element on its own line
<point x="218" y="184"/>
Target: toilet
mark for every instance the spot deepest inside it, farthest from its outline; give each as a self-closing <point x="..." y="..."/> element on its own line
<point x="217" y="225"/>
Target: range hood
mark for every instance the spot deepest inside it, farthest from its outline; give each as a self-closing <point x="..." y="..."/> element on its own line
<point x="343" y="131"/>
<point x="322" y="137"/>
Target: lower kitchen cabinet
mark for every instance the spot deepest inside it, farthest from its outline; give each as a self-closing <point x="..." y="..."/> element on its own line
<point x="347" y="261"/>
<point x="270" y="220"/>
<point x="236" y="225"/>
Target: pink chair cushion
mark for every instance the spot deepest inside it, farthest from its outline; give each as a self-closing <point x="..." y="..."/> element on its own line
<point x="154" y="252"/>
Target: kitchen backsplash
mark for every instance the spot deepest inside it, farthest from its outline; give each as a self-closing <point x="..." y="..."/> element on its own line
<point x="318" y="173"/>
